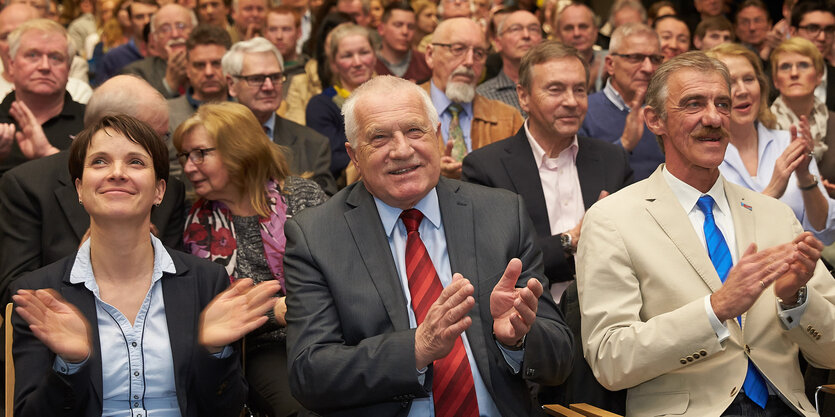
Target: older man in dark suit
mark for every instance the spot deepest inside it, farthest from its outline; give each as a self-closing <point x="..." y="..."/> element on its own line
<point x="409" y="293"/>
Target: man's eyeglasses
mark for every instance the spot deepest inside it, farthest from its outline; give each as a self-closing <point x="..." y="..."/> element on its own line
<point x="533" y="29"/>
<point x="814" y="30"/>
<point x="195" y="156"/>
<point x="459" y="49"/>
<point x="655" y="59"/>
<point x="257" y="80"/>
<point x="167" y="28"/>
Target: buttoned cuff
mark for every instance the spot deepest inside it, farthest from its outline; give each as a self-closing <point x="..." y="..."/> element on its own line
<point x="512" y="357"/>
<point x="223" y="354"/>
<point x="791" y="317"/>
<point x="65" y="368"/>
<point x="722" y="332"/>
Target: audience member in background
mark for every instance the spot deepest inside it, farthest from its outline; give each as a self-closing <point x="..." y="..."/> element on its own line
<point x="753" y="28"/>
<point x="575" y="27"/>
<point x="40" y="55"/>
<point x="245" y="195"/>
<point x="283" y="29"/>
<point x="468" y="120"/>
<point x="815" y="20"/>
<point x="359" y="10"/>
<point x="516" y="35"/>
<point x="169" y="329"/>
<point x="426" y="14"/>
<point x="776" y="163"/>
<point x="615" y="113"/>
<point x="375" y="11"/>
<point x="396" y="56"/>
<point x="674" y="35"/>
<point x="711" y="32"/>
<point x="351" y="57"/>
<point x="253" y="72"/>
<point x="165" y="69"/>
<point x="112" y="33"/>
<point x="706" y="9"/>
<point x="11" y="17"/>
<point x="249" y="16"/>
<point x="82" y="25"/>
<point x="214" y="12"/>
<point x="621" y="13"/>
<point x="40" y="218"/>
<point x="302" y="9"/>
<point x="140" y="12"/>
<point x="658" y="9"/>
<point x="205" y="48"/>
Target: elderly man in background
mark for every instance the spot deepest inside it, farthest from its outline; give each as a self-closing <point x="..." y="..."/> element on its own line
<point x="516" y="34"/>
<point x="615" y="113"/>
<point x="40" y="54"/>
<point x="249" y="17"/>
<point x="575" y="26"/>
<point x="430" y="298"/>
<point x="468" y="120"/>
<point x="720" y="335"/>
<point x="165" y="69"/>
<point x="253" y="72"/>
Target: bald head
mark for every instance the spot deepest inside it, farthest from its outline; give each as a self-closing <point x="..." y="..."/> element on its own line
<point x="457" y="56"/>
<point x="11" y="17"/>
<point x="131" y="95"/>
<point x="455" y="27"/>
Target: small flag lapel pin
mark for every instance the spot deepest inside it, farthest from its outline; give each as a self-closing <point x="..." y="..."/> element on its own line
<point x="746" y="206"/>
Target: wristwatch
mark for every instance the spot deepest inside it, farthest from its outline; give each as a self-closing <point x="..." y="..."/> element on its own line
<point x="801" y="298"/>
<point x="565" y="241"/>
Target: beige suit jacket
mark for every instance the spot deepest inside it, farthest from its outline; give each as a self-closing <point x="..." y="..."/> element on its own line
<point x="642" y="276"/>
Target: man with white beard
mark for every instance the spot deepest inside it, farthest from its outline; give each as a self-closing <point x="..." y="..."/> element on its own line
<point x="468" y="120"/>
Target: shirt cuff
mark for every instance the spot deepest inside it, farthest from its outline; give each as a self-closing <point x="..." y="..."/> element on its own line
<point x="722" y="332"/>
<point x="223" y="354"/>
<point x="512" y="357"/>
<point x="791" y="317"/>
<point x="66" y="368"/>
<point x="421" y="375"/>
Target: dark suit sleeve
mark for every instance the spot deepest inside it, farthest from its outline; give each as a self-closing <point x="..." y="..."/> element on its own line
<point x="326" y="373"/>
<point x="169" y="217"/>
<point x="548" y="345"/>
<point x="323" y="116"/>
<point x="321" y="169"/>
<point x="20" y="231"/>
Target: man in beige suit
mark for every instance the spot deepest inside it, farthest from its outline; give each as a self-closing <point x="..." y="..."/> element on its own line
<point x="657" y="317"/>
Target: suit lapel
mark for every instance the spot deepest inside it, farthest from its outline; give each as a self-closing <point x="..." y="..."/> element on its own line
<point x="590" y="173"/>
<point x="179" y="296"/>
<point x="282" y="133"/>
<point x="664" y="207"/>
<point x="523" y="173"/>
<point x="370" y="238"/>
<point x="83" y="299"/>
<point x="67" y="198"/>
<point x="744" y="226"/>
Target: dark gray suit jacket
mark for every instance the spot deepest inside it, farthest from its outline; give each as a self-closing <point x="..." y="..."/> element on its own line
<point x="351" y="348"/>
<point x="41" y="220"/>
<point x="151" y="69"/>
<point x="205" y="386"/>
<point x="509" y="164"/>
<point x="309" y="152"/>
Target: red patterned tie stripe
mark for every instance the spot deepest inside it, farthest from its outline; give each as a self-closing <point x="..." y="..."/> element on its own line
<point x="453" y="390"/>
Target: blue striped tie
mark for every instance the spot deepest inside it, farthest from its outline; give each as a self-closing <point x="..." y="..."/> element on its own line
<point x="754" y="385"/>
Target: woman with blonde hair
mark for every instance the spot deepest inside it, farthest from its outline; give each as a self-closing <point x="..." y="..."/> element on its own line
<point x="426" y="19"/>
<point x="245" y="196"/>
<point x="774" y="162"/>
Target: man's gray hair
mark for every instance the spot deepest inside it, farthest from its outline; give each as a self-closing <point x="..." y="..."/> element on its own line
<point x="233" y="60"/>
<point x="40" y="25"/>
<point x="440" y="8"/>
<point x="190" y="12"/>
<point x="627" y="31"/>
<point x="627" y="4"/>
<point x="125" y="94"/>
<point x="381" y="86"/>
<point x="658" y="88"/>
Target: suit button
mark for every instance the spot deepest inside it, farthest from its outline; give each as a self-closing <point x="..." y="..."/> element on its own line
<point x="696" y="355"/>
<point x="703" y="352"/>
<point x="530" y="372"/>
<point x="818" y="337"/>
<point x="683" y="361"/>
<point x="689" y="359"/>
<point x="733" y="391"/>
<point x="747" y="349"/>
<point x="809" y="328"/>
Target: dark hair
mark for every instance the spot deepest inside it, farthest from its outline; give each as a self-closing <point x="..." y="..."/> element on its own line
<point x="752" y="3"/>
<point x="543" y="53"/>
<point x="208" y="35"/>
<point x="145" y="2"/>
<point x="654" y="8"/>
<point x="804" y="7"/>
<point x="395" y="6"/>
<point x="133" y="129"/>
<point x="713" y="23"/>
<point x="667" y="17"/>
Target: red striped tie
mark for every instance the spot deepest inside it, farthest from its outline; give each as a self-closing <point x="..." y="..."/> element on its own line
<point x="452" y="385"/>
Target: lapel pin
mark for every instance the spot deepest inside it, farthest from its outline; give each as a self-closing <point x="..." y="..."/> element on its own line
<point x="746" y="206"/>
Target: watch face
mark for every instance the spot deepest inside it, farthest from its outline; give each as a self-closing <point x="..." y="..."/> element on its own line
<point x="565" y="240"/>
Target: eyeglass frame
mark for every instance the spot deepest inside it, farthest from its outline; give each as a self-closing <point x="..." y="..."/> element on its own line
<point x="476" y="50"/>
<point x="815" y="29"/>
<point x="519" y="28"/>
<point x="195" y="158"/>
<point x="169" y="28"/>
<point x="631" y="58"/>
<point x="252" y="82"/>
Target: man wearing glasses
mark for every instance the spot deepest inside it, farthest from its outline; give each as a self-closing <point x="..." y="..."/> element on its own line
<point x="516" y="34"/>
<point x="634" y="54"/>
<point x="468" y="120"/>
<point x="254" y="75"/>
<point x="815" y="20"/>
<point x="165" y="68"/>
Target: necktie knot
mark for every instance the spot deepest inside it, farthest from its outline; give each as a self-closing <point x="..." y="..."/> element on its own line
<point x="705" y="204"/>
<point x="411" y="219"/>
<point x="455" y="109"/>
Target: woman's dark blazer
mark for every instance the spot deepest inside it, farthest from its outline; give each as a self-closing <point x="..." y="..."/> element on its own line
<point x="205" y="386"/>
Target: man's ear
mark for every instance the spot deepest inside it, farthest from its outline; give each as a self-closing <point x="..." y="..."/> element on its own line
<point x="653" y="121"/>
<point x="353" y="156"/>
<point x="609" y="65"/>
<point x="429" y="56"/>
<point x="523" y="97"/>
<point x="697" y="42"/>
<point x="230" y="82"/>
